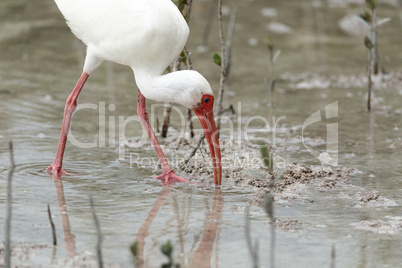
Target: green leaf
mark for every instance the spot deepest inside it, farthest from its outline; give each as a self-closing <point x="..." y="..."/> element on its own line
<point x="134" y="248"/>
<point x="266" y="157"/>
<point x="183" y="56"/>
<point x="366" y="16"/>
<point x="269" y="42"/>
<point x="368" y="43"/>
<point x="167" y="249"/>
<point x="217" y="59"/>
<point x="372" y="4"/>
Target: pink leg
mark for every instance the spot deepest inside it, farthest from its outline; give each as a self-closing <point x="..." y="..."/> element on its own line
<point x="71" y="104"/>
<point x="167" y="174"/>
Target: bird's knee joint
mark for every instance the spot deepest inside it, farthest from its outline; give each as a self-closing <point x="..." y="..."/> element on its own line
<point x="70" y="105"/>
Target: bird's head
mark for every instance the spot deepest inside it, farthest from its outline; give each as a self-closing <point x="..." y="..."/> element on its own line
<point x="198" y="96"/>
<point x="193" y="91"/>
<point x="205" y="113"/>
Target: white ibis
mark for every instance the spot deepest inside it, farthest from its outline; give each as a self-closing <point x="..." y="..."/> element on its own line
<point x="146" y="35"/>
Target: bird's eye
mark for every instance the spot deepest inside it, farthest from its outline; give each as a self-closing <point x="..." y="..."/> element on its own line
<point x="206" y="100"/>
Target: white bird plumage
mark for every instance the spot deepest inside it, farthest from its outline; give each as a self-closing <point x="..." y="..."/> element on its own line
<point x="147" y="35"/>
<point x="137" y="43"/>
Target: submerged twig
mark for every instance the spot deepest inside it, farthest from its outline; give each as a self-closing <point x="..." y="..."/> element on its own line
<point x="7" y="231"/>
<point x="52" y="225"/>
<point x="98" y="234"/>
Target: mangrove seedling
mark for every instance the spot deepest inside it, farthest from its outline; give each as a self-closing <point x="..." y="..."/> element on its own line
<point x="267" y="158"/>
<point x="369" y="19"/>
<point x="270" y="80"/>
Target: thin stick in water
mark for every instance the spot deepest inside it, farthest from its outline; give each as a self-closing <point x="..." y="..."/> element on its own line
<point x="192" y="153"/>
<point x="223" y="66"/>
<point x="7" y="232"/>
<point x="52" y="225"/>
<point x="98" y="234"/>
<point x="190" y="122"/>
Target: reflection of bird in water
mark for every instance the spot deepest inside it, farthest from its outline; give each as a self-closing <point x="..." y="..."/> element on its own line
<point x="203" y="255"/>
<point x="69" y="238"/>
<point x="147" y="36"/>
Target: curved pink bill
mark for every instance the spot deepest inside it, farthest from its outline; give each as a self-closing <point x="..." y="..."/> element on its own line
<point x="208" y="124"/>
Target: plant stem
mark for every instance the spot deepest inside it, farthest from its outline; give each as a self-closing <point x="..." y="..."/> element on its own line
<point x="369" y="82"/>
<point x="188" y="12"/>
<point x="192" y="153"/>
<point x="166" y="119"/>
<point x="190" y="122"/>
<point x="375" y="42"/>
<point x="223" y="65"/>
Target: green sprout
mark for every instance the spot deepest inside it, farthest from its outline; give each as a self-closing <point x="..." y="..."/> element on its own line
<point x="217" y="59"/>
<point x="267" y="158"/>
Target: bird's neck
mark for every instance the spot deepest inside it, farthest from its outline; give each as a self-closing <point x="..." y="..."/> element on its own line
<point x="170" y="87"/>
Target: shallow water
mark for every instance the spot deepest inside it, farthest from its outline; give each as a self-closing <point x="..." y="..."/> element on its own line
<point x="40" y="61"/>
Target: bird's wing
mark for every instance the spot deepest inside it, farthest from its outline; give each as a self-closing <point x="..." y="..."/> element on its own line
<point x="131" y="32"/>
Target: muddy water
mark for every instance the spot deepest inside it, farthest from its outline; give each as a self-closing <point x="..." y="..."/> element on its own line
<point x="40" y="62"/>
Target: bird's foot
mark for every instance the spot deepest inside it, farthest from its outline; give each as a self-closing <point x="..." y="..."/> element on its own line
<point x="170" y="177"/>
<point x="56" y="171"/>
